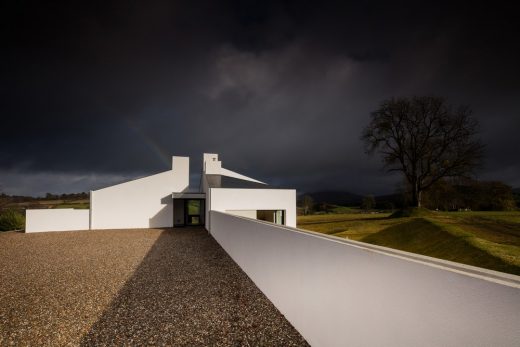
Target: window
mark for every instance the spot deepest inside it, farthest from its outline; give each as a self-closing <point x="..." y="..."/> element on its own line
<point x="272" y="216"/>
<point x="193" y="207"/>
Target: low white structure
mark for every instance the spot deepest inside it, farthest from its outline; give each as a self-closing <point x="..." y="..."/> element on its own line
<point x="165" y="200"/>
<point x="56" y="220"/>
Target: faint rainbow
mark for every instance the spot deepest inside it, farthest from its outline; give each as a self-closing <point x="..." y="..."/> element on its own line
<point x="159" y="151"/>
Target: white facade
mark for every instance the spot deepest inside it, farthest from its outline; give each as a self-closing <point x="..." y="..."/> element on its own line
<point x="337" y="292"/>
<point x="142" y="203"/>
<point x="161" y="200"/>
<point x="244" y="201"/>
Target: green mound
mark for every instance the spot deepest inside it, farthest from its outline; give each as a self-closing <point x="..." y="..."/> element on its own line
<point x="421" y="236"/>
<point x="412" y="212"/>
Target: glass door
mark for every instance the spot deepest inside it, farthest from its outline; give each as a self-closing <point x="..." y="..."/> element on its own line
<point x="193" y="210"/>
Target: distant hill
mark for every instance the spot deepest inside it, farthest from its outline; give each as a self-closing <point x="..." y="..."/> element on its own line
<point x="343" y="198"/>
<point x="388" y="201"/>
<point x="336" y="198"/>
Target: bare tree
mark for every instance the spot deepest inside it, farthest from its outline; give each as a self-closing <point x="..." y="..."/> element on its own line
<point x="368" y="202"/>
<point x="4" y="199"/>
<point x="424" y="138"/>
<point x="307" y="204"/>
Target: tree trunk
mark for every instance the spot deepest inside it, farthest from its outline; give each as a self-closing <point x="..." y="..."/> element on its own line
<point x="416" y="195"/>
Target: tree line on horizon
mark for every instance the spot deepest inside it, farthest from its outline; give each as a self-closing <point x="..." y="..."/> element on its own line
<point x="48" y="196"/>
<point x="445" y="195"/>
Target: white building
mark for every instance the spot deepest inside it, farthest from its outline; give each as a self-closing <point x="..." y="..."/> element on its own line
<point x="166" y="200"/>
<point x="335" y="292"/>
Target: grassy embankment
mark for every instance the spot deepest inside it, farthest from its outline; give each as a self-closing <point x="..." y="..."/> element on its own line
<point x="485" y="239"/>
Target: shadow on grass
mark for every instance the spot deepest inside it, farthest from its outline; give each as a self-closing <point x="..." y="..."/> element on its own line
<point x="423" y="237"/>
<point x="494" y="225"/>
<point x="188" y="291"/>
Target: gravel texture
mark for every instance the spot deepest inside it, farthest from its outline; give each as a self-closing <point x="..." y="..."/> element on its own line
<point x="131" y="287"/>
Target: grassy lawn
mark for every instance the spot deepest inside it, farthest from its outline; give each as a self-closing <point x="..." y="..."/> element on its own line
<point x="78" y="205"/>
<point x="485" y="239"/>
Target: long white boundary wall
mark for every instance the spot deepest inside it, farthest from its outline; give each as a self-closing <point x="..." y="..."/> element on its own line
<point x="60" y="219"/>
<point x="345" y="293"/>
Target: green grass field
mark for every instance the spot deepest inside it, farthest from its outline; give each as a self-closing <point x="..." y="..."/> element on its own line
<point x="485" y="239"/>
<point x="79" y="204"/>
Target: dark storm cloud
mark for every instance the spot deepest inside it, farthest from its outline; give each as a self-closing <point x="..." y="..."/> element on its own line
<point x="97" y="93"/>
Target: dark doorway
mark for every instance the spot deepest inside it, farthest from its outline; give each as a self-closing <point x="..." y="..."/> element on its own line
<point x="188" y="212"/>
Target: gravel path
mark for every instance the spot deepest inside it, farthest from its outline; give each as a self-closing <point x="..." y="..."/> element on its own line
<point x="131" y="287"/>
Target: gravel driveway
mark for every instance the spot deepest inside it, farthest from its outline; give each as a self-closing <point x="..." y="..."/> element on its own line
<point x="131" y="287"/>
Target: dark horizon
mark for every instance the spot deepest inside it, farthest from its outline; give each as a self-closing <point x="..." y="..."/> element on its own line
<point x="97" y="93"/>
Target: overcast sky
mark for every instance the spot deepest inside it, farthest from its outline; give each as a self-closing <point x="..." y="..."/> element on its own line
<point x="99" y="93"/>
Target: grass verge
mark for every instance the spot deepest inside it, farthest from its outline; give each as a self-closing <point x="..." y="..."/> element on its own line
<point x="485" y="239"/>
<point x="423" y="236"/>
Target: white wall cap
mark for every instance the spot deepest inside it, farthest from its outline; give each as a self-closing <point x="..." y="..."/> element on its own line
<point x="229" y="173"/>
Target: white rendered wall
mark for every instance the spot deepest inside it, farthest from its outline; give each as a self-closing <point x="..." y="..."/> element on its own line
<point x="227" y="199"/>
<point x="346" y="293"/>
<point x="243" y="213"/>
<point x="143" y="203"/>
<point x="59" y="219"/>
